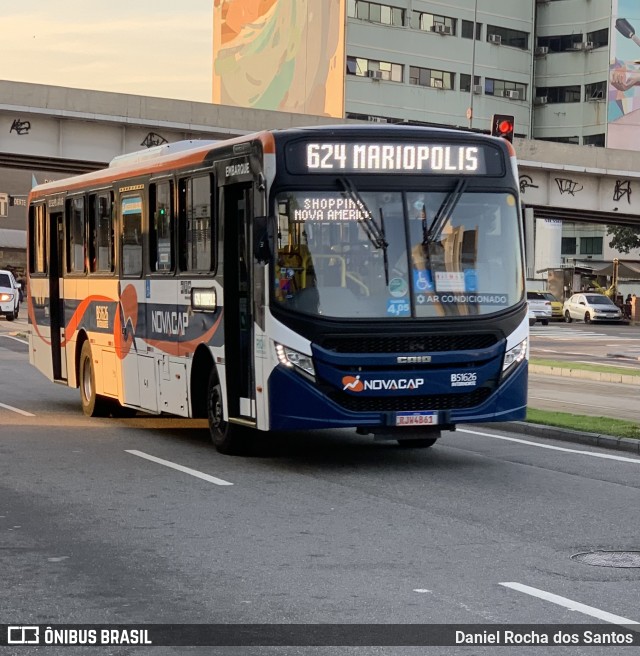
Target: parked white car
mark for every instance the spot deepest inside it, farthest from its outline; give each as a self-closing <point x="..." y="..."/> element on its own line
<point x="589" y="307"/>
<point x="9" y="295"/>
<point x="532" y="315"/>
<point x="540" y="306"/>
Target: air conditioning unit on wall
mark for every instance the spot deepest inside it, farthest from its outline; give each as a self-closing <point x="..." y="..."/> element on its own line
<point x="513" y="95"/>
<point x="441" y="29"/>
<point x="374" y="75"/>
<point x="477" y="89"/>
<point x="495" y="38"/>
<point x="540" y="51"/>
<point x="540" y="100"/>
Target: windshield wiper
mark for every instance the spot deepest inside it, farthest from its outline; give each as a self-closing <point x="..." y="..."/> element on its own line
<point x="374" y="232"/>
<point x="444" y="212"/>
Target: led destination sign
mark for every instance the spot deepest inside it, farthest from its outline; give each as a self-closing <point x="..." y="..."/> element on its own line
<point x="397" y="157"/>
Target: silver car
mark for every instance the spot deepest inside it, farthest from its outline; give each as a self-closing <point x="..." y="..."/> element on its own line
<point x="540" y="306"/>
<point x="589" y="307"/>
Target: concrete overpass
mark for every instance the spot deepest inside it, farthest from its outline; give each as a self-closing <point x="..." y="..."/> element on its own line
<point x="60" y="131"/>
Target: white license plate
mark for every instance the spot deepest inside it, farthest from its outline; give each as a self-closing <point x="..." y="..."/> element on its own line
<point x="416" y="418"/>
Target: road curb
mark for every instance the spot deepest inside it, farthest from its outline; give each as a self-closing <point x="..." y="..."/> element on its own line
<point x="568" y="435"/>
<point x="568" y="372"/>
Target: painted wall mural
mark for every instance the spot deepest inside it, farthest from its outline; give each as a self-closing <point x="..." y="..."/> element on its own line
<point x="624" y="76"/>
<point x="285" y="55"/>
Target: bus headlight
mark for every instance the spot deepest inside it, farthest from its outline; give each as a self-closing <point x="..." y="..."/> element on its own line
<point x="514" y="355"/>
<point x="290" y="358"/>
<point x="6" y="297"/>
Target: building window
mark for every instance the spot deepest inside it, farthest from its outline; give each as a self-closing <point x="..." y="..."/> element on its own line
<point x="595" y="91"/>
<point x="569" y="94"/>
<point x="568" y="246"/>
<point x="429" y="77"/>
<point x="570" y="140"/>
<point x="590" y="245"/>
<point x="466" y="30"/>
<point x="599" y="38"/>
<point x="465" y="81"/>
<point x="561" y="42"/>
<point x="513" y="38"/>
<point x="594" y="140"/>
<point x="505" y="89"/>
<point x="370" y="67"/>
<point x="376" y="13"/>
<point x="433" y="23"/>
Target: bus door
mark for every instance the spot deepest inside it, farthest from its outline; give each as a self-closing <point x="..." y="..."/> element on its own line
<point x="56" y="294"/>
<point x="238" y="300"/>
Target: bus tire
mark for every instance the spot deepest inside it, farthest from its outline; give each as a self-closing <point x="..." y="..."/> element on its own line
<point x="423" y="443"/>
<point x="93" y="405"/>
<point x="11" y="316"/>
<point x="228" y="438"/>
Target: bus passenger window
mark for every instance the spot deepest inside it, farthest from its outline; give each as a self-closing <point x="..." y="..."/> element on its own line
<point x="132" y="236"/>
<point x="104" y="233"/>
<point x="161" y="228"/>
<point x="197" y="227"/>
<point x="76" y="235"/>
<point x="37" y="240"/>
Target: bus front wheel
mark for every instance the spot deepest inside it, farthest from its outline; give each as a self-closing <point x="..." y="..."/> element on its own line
<point x="228" y="438"/>
<point x="93" y="405"/>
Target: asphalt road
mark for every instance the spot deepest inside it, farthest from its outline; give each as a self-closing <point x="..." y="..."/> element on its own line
<point x="324" y="527"/>
<point x="610" y="344"/>
<point x="606" y="344"/>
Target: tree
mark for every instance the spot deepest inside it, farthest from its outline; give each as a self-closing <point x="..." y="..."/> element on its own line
<point x="625" y="239"/>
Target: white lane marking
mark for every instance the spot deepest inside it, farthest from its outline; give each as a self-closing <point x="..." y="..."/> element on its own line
<point x="604" y="456"/>
<point x="186" y="470"/>
<point x="20" y="412"/>
<point x="568" y="603"/>
<point x="17" y="339"/>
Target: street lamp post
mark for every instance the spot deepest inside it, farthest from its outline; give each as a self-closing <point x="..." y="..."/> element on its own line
<point x="473" y="65"/>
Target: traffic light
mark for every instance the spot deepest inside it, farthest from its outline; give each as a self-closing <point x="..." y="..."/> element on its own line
<point x="502" y="126"/>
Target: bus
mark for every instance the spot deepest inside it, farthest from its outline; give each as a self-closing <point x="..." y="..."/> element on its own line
<point x="366" y="277"/>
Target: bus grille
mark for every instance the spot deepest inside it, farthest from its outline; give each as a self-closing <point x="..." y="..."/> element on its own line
<point x="408" y="343"/>
<point x="410" y="403"/>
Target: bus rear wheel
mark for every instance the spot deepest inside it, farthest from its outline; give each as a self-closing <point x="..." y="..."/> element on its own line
<point x="228" y="438"/>
<point x="93" y="405"/>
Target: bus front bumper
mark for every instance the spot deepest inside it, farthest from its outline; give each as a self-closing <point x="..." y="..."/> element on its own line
<point x="297" y="404"/>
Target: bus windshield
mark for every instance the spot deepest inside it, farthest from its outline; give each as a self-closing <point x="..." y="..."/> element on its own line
<point x="423" y="254"/>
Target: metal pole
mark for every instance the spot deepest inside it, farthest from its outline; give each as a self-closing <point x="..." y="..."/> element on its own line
<point x="473" y="65"/>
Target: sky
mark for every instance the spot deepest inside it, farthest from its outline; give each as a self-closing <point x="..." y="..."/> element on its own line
<point x="144" y="47"/>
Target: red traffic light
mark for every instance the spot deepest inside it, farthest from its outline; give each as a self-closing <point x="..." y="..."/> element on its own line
<point x="503" y="126"/>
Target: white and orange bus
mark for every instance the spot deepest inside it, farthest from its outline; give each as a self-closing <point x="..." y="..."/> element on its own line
<point x="369" y="277"/>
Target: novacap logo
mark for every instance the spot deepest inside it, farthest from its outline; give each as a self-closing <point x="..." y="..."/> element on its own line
<point x="352" y="383"/>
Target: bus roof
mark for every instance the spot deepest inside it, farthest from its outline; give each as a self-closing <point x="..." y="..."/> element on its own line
<point x="190" y="152"/>
<point x="144" y="162"/>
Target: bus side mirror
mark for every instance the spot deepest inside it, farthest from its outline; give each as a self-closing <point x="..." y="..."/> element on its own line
<point x="262" y="239"/>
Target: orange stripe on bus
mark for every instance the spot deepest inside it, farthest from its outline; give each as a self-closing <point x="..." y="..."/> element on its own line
<point x="183" y="348"/>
